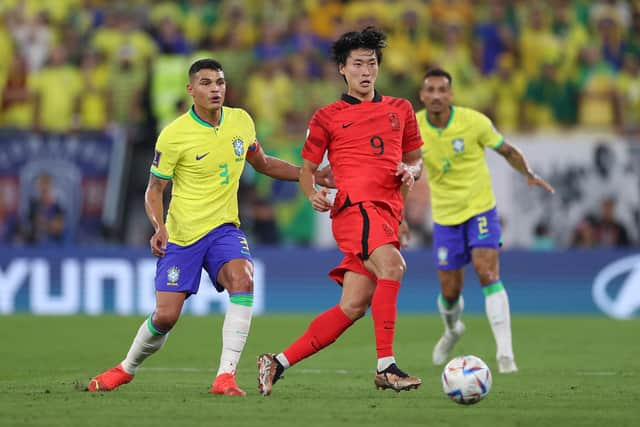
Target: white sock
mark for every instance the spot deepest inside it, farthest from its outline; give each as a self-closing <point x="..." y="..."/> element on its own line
<point x="234" y="336"/>
<point x="497" y="308"/>
<point x="450" y="316"/>
<point x="283" y="360"/>
<point x="144" y="345"/>
<point x="385" y="362"/>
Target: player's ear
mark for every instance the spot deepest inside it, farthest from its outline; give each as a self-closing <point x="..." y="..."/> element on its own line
<point x="341" y="69"/>
<point x="189" y="89"/>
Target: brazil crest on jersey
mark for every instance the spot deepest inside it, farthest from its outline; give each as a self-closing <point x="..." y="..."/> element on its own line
<point x="454" y="161"/>
<point x="205" y="163"/>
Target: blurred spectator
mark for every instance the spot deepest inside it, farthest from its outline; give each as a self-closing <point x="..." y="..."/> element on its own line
<point x="8" y="227"/>
<point x="596" y="83"/>
<point x="628" y="85"/>
<point x="270" y="46"/>
<point x="495" y="34"/>
<point x="612" y="43"/>
<point x="268" y="97"/>
<point x="235" y="19"/>
<point x="571" y="36"/>
<point x="611" y="233"/>
<point x="617" y="10"/>
<point x="550" y="102"/>
<point x="307" y="45"/>
<point x="236" y="59"/>
<point x="16" y="107"/>
<point x="123" y="30"/>
<point x="126" y="85"/>
<point x="299" y="112"/>
<point x="413" y="50"/>
<point x="265" y="228"/>
<point x="585" y="234"/>
<point x="323" y="15"/>
<point x="34" y="39"/>
<point x="537" y="43"/>
<point x="542" y="239"/>
<point x="46" y="218"/>
<point x="506" y="89"/>
<point x="452" y="11"/>
<point x="455" y="57"/>
<point x="56" y="89"/>
<point x="169" y="37"/>
<point x="94" y="98"/>
<point x="633" y="35"/>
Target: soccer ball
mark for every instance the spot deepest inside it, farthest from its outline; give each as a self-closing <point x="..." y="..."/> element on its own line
<point x="466" y="379"/>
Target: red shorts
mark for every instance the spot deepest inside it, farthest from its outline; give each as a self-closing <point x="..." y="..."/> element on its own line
<point x="359" y="229"/>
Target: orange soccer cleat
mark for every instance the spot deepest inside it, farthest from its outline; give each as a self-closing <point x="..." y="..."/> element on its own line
<point x="109" y="380"/>
<point x="225" y="384"/>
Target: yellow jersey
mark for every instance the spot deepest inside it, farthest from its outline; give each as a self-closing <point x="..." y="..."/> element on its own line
<point x="205" y="163"/>
<point x="456" y="168"/>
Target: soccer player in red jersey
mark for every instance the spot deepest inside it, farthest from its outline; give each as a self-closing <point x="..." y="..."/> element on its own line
<point x="373" y="146"/>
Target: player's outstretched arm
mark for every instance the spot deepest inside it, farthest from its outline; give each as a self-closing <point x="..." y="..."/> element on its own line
<point x="517" y="161"/>
<point x="273" y="166"/>
<point x="318" y="199"/>
<point x="155" y="211"/>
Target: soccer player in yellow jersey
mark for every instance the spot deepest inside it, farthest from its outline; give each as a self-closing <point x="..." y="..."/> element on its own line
<point x="203" y="152"/>
<point x="466" y="224"/>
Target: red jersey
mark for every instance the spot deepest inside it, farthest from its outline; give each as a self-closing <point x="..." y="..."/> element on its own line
<point x="365" y="142"/>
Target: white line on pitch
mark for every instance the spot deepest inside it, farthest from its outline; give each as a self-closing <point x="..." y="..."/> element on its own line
<point x="598" y="373"/>
<point x="303" y="371"/>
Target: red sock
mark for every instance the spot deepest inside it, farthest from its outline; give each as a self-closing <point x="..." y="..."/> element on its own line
<point x="383" y="310"/>
<point x="322" y="331"/>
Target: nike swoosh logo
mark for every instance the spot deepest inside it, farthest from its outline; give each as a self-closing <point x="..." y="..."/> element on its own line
<point x="201" y="157"/>
<point x="483" y="236"/>
<point x="346" y="125"/>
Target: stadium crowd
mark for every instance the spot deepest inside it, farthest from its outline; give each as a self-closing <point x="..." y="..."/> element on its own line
<point x="68" y="65"/>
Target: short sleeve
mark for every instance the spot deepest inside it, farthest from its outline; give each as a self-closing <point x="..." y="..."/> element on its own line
<point x="165" y="156"/>
<point x="411" y="139"/>
<point x="488" y="134"/>
<point x="317" y="140"/>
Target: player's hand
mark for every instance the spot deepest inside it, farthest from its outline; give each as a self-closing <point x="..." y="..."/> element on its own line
<point x="324" y="177"/>
<point x="406" y="175"/>
<point x="404" y="234"/>
<point x="159" y="241"/>
<point x="320" y="202"/>
<point x="534" y="179"/>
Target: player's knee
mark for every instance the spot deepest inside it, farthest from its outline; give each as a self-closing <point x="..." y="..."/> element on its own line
<point x="487" y="276"/>
<point x="392" y="271"/>
<point x="354" y="309"/>
<point x="240" y="281"/>
<point x="165" y="319"/>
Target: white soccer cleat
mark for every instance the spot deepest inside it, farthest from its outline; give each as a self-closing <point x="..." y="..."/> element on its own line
<point x="446" y="343"/>
<point x="507" y="365"/>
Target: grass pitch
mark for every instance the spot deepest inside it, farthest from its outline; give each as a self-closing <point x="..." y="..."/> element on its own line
<point x="574" y="371"/>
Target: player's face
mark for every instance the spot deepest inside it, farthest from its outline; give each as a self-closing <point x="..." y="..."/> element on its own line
<point x="360" y="71"/>
<point x="436" y="94"/>
<point x="208" y="87"/>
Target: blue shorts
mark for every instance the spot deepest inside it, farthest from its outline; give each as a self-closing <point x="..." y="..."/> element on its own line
<point x="180" y="269"/>
<point x="452" y="244"/>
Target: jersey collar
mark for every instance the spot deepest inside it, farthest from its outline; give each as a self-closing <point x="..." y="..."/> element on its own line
<point x="453" y="111"/>
<point x="351" y="100"/>
<point x="194" y="116"/>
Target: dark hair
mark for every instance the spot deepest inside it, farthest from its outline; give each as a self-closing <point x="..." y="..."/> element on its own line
<point x="438" y="72"/>
<point x="368" y="38"/>
<point x="204" y="64"/>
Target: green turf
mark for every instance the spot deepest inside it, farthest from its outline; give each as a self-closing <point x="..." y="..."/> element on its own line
<point x="581" y="371"/>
